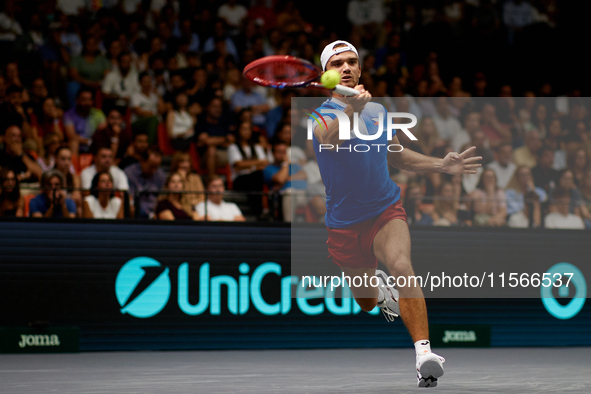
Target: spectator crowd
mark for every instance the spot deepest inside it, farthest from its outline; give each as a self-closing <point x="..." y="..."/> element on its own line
<point x="138" y="108"/>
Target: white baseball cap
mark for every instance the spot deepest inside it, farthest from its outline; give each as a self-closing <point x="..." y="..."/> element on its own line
<point x="330" y="50"/>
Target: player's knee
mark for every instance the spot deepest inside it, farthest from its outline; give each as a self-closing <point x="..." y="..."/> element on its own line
<point x="367" y="304"/>
<point x="401" y="266"/>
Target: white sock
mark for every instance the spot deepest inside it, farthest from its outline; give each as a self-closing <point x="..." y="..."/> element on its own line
<point x="422" y="347"/>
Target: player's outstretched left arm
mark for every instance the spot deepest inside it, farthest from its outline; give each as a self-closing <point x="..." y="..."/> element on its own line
<point x="453" y="163"/>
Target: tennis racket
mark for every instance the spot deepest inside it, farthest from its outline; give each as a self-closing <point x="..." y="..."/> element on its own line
<point x="289" y="72"/>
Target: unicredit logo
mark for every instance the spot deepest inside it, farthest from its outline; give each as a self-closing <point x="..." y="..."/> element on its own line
<point x="142" y="287"/>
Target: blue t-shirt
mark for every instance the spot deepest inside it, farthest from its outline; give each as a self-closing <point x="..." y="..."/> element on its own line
<point x="41" y="204"/>
<point x="358" y="184"/>
<point x="272" y="169"/>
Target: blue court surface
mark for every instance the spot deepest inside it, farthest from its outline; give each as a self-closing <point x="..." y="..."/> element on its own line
<point x="496" y="370"/>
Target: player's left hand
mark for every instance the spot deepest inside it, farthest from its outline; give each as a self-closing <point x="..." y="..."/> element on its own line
<point x="459" y="163"/>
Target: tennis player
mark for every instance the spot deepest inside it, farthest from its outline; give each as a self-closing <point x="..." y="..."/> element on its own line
<point x="365" y="218"/>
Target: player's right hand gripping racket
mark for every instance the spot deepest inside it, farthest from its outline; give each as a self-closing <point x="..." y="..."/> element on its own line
<point x="289" y="72"/>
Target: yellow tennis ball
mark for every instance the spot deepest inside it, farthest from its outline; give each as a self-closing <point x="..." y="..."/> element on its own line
<point x="330" y="79"/>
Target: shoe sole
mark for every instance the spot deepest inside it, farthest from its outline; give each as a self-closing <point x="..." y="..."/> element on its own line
<point x="430" y="371"/>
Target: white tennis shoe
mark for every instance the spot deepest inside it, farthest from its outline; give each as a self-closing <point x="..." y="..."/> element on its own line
<point x="429" y="369"/>
<point x="389" y="306"/>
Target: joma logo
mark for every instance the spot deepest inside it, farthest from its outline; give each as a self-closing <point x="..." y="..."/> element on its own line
<point x="39" y="340"/>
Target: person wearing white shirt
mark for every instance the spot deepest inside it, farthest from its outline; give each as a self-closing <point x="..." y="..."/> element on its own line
<point x="71" y="7"/>
<point x="233" y="14"/>
<point x="120" y="84"/>
<point x="462" y="136"/>
<point x="247" y="161"/>
<point x="447" y="125"/>
<point x="102" y="203"/>
<point x="215" y="208"/>
<point x="503" y="167"/>
<point x="145" y="103"/>
<point x="561" y="218"/>
<point x="103" y="161"/>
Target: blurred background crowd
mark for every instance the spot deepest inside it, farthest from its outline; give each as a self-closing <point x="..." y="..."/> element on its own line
<point x="138" y="108"/>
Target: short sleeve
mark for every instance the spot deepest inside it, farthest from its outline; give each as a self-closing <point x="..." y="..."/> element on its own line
<point x="68" y="120"/>
<point x="120" y="177"/>
<point x="268" y="173"/>
<point x="135" y="100"/>
<point x="35" y="205"/>
<point x="235" y="210"/>
<point x="71" y="205"/>
<point x="161" y="206"/>
<point x="86" y="178"/>
<point x="200" y="209"/>
<point x="233" y="154"/>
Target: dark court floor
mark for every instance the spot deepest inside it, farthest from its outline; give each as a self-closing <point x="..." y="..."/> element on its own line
<point x="499" y="370"/>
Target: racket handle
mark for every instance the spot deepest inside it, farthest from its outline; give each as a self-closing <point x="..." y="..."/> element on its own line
<point x="345" y="91"/>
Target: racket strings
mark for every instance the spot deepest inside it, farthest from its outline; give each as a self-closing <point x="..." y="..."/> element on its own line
<point x="282" y="74"/>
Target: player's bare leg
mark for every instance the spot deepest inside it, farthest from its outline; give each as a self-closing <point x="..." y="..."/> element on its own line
<point x="391" y="246"/>
<point x="366" y="297"/>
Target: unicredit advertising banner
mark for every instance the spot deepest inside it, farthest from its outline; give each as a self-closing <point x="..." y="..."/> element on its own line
<point x="229" y="286"/>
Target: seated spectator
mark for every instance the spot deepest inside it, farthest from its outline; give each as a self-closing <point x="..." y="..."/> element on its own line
<point x="427" y="137"/>
<point x="146" y="176"/>
<point x="120" y="83"/>
<point x="214" y="135"/>
<point x="103" y="161"/>
<point x="555" y="141"/>
<point x="246" y="97"/>
<point x="545" y="176"/>
<point x="215" y="208"/>
<point x="134" y="152"/>
<point x="181" y="164"/>
<point x="586" y="194"/>
<point x="527" y="155"/>
<point x="479" y="140"/>
<point x="566" y="182"/>
<point x="447" y="207"/>
<point x="12" y="204"/>
<point x="496" y="132"/>
<point x="37" y="95"/>
<point x="115" y="136"/>
<point x="48" y="121"/>
<point x="489" y="205"/>
<point x="171" y="207"/>
<point x="180" y="124"/>
<point x="51" y="143"/>
<point x="12" y="112"/>
<point x="87" y="70"/>
<point x="285" y="134"/>
<point x="277" y="114"/>
<point x="520" y="192"/>
<point x="82" y="121"/>
<point x="14" y="157"/>
<point x="63" y="163"/>
<point x="247" y="161"/>
<point x="560" y="217"/>
<point x="52" y="201"/>
<point x="146" y="106"/>
<point x="417" y="212"/>
<point x="578" y="163"/>
<point x="530" y="216"/>
<point x="447" y="125"/>
<point x="102" y="202"/>
<point x="503" y="166"/>
<point x="177" y="84"/>
<point x="287" y="179"/>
